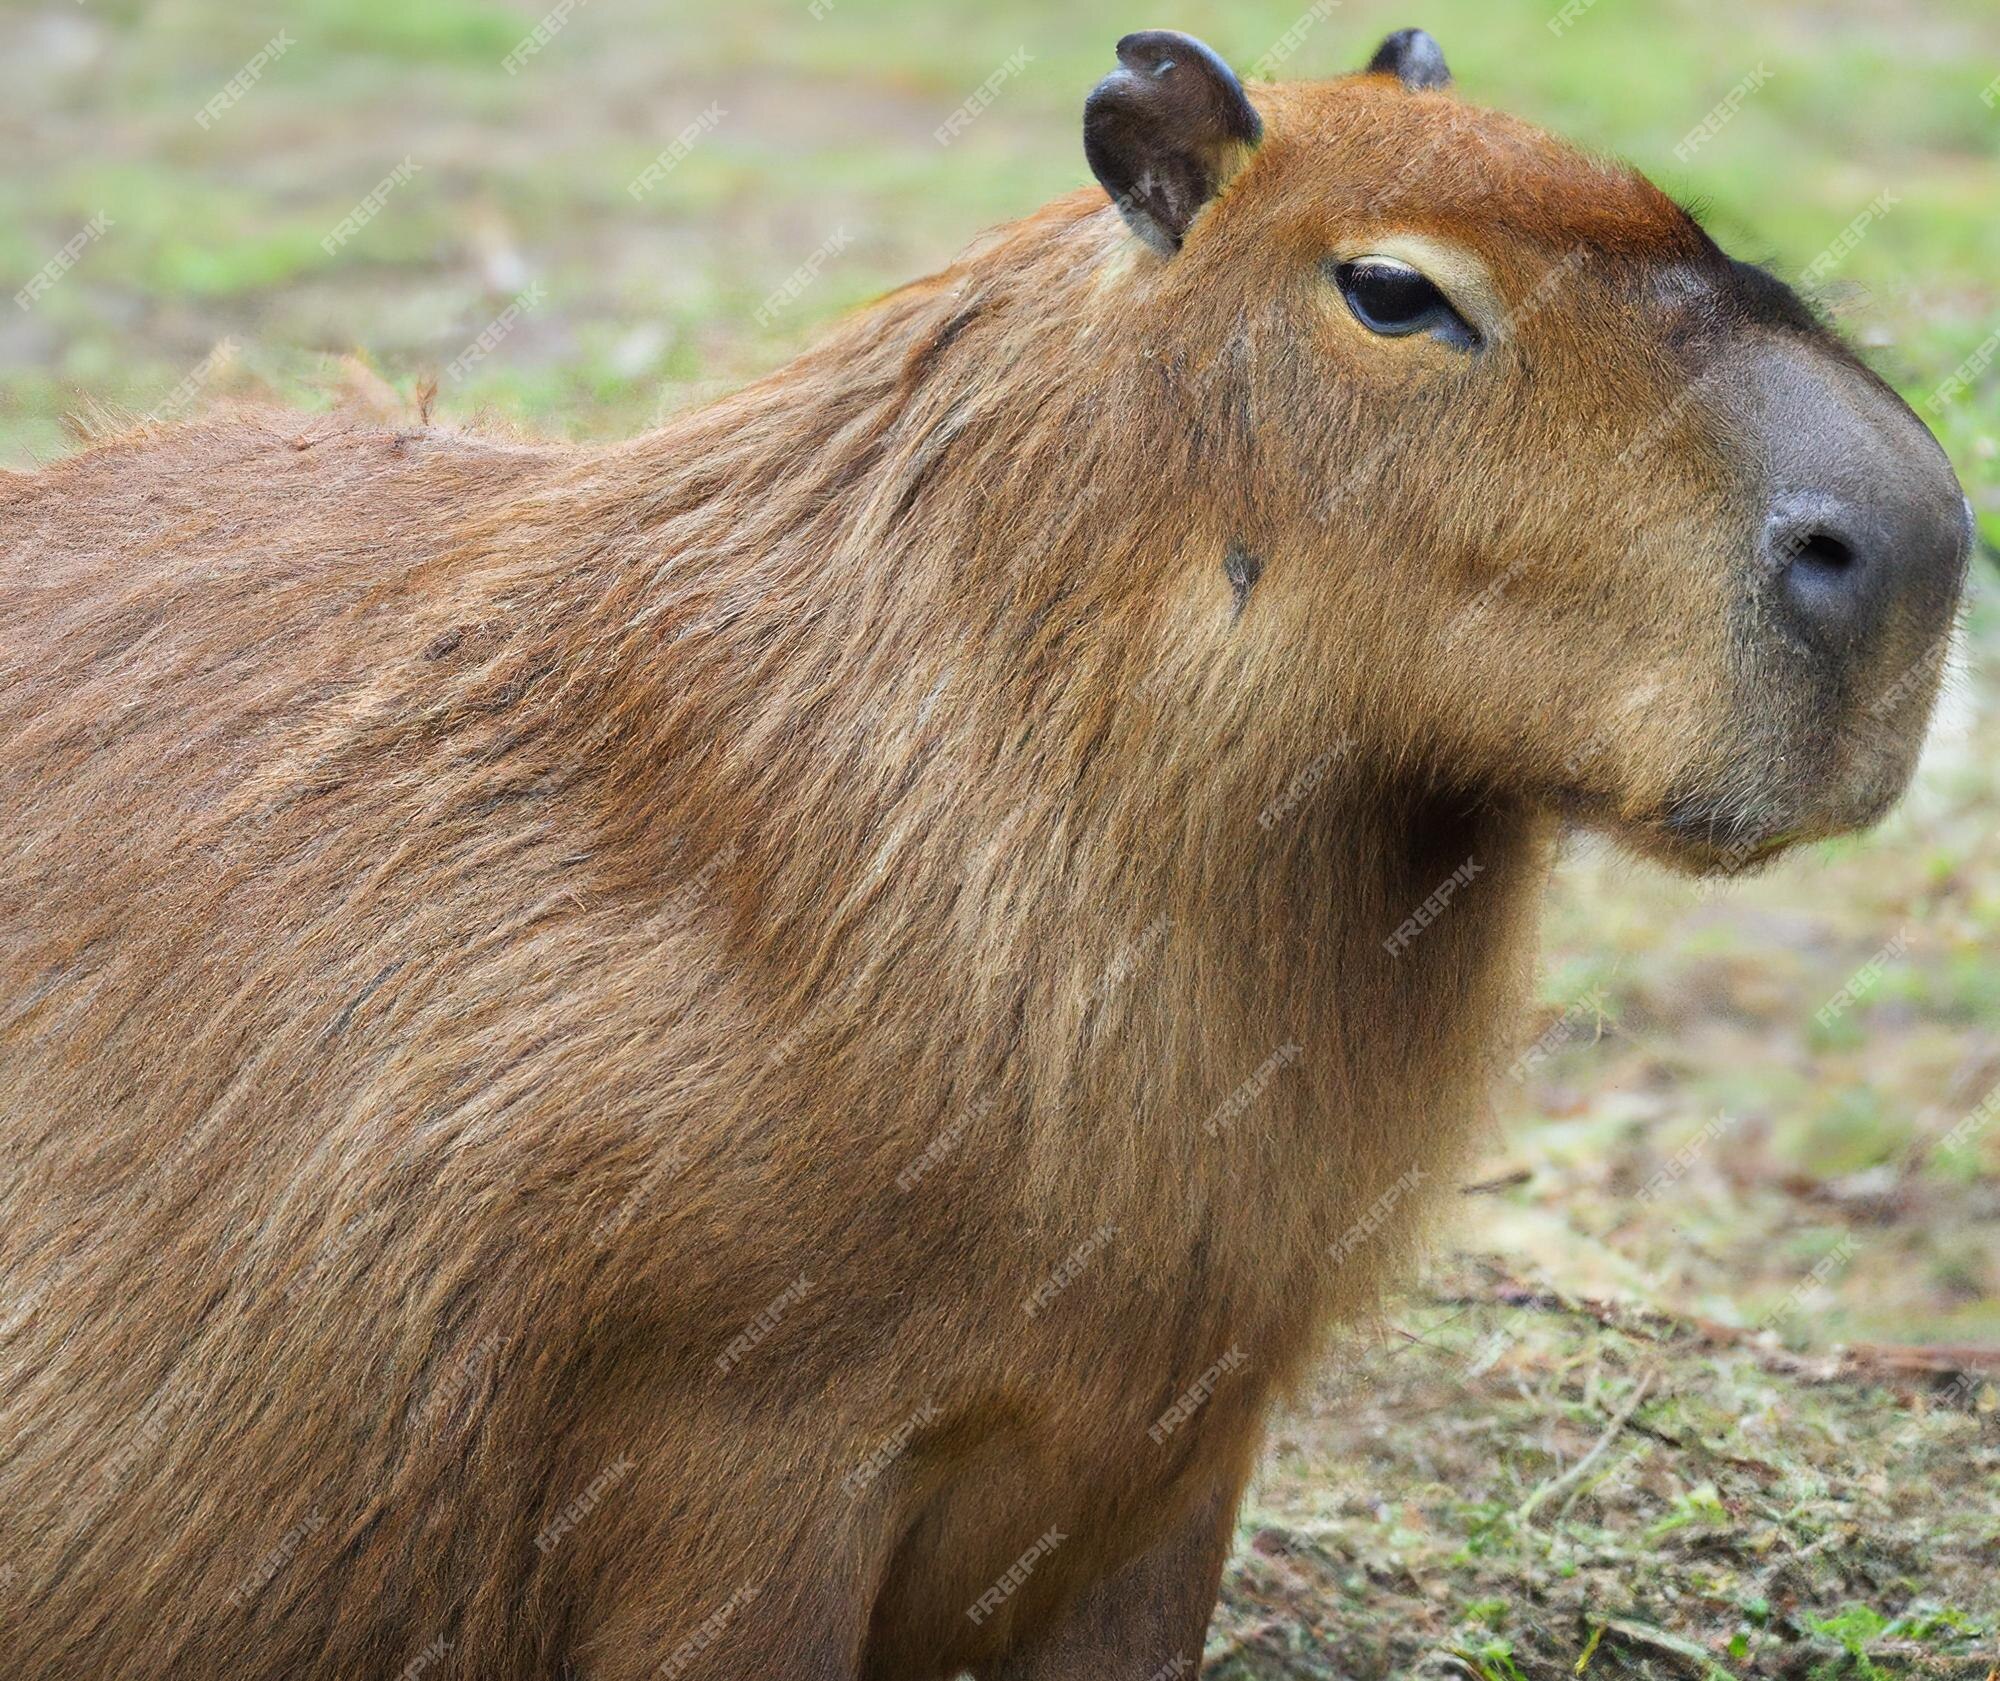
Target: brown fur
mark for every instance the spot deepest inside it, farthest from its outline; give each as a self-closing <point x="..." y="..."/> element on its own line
<point x="480" y="923"/>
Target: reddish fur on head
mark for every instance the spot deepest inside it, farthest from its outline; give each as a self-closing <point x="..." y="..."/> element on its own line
<point x="578" y="992"/>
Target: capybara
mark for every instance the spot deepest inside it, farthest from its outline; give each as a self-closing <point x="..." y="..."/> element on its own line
<point x="757" y="1053"/>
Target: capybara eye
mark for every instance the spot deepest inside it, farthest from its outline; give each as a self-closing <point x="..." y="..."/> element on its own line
<point x="1395" y="300"/>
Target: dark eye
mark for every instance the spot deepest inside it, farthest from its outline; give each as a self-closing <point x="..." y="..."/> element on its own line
<point x="1393" y="299"/>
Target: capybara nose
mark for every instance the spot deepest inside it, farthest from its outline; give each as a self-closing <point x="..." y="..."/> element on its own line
<point x="1843" y="568"/>
<point x="1828" y="582"/>
<point x="1866" y="528"/>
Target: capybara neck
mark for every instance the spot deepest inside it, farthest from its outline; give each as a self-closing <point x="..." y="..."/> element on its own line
<point x="927" y="656"/>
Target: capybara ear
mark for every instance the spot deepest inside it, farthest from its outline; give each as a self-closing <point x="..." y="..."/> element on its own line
<point x="1165" y="131"/>
<point x="1414" y="58"/>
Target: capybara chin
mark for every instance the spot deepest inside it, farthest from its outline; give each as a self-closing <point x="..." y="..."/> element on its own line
<point x="756" y="1053"/>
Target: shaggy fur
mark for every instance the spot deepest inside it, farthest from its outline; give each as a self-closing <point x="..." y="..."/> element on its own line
<point x="693" y="1058"/>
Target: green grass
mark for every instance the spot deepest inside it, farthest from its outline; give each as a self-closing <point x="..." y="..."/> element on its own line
<point x="1740" y="1521"/>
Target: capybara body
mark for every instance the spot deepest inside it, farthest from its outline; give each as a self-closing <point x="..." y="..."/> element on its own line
<point x="756" y="1053"/>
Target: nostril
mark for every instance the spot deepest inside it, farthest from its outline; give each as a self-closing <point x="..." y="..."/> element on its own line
<point x="1823" y="573"/>
<point x="1823" y="552"/>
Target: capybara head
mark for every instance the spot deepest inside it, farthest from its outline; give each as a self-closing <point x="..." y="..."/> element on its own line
<point x="1553" y="494"/>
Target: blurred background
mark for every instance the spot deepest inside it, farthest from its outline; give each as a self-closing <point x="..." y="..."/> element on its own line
<point x="1700" y="1379"/>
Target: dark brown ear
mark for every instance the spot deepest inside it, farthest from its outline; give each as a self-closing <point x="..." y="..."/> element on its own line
<point x="1413" y="58"/>
<point x="1165" y="131"/>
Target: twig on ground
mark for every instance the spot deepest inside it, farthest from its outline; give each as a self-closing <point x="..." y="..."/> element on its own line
<point x="1854" y="1361"/>
<point x="1503" y="1182"/>
<point x="1576" y="1472"/>
<point x="1644" y="1634"/>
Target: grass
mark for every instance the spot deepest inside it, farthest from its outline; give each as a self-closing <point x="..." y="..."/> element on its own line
<point x="1709" y="1183"/>
<point x="1505" y="1491"/>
